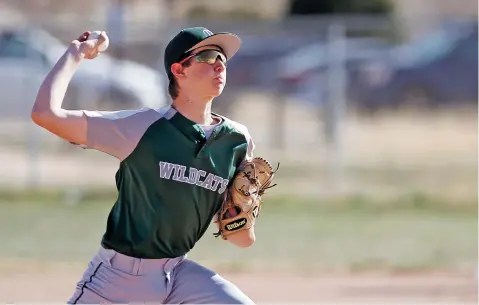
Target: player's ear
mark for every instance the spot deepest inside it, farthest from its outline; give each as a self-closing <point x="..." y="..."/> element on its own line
<point x="178" y="70"/>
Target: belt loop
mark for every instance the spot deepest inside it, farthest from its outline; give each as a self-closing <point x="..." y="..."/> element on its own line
<point x="141" y="263"/>
<point x="136" y="266"/>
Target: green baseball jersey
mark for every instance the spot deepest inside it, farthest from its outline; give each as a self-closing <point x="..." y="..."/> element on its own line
<point x="172" y="176"/>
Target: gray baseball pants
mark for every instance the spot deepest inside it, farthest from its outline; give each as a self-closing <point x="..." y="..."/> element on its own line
<point x="112" y="277"/>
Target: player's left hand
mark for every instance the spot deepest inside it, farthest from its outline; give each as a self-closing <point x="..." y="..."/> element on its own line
<point x="242" y="203"/>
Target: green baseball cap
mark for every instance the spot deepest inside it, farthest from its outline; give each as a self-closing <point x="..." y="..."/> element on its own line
<point x="191" y="38"/>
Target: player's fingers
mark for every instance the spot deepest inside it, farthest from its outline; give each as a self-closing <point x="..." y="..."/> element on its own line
<point x="102" y="37"/>
<point x="83" y="37"/>
<point x="90" y="54"/>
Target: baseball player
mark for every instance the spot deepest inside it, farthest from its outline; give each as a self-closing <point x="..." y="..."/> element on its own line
<point x="180" y="168"/>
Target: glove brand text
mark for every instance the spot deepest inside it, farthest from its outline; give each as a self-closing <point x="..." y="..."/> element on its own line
<point x="239" y="223"/>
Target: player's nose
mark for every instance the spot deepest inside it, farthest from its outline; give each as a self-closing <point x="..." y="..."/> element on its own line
<point x="219" y="66"/>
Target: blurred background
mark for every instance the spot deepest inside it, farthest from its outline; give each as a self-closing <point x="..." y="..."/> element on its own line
<point x="370" y="106"/>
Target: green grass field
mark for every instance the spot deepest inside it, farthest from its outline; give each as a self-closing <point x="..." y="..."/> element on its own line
<point x="293" y="234"/>
<point x="402" y="226"/>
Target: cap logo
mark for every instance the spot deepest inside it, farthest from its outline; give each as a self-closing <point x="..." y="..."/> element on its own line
<point x="207" y="32"/>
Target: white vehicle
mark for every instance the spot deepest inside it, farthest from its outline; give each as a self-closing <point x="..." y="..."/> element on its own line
<point x="105" y="83"/>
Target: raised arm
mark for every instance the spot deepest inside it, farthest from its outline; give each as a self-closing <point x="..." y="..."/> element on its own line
<point x="47" y="110"/>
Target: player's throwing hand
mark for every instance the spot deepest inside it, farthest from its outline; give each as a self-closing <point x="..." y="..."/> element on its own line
<point x="89" y="47"/>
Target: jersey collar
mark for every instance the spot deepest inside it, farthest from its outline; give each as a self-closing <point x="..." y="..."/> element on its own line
<point x="188" y="127"/>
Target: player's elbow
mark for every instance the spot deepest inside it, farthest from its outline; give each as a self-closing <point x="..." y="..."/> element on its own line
<point x="40" y="113"/>
<point x="43" y="118"/>
<point x="39" y="117"/>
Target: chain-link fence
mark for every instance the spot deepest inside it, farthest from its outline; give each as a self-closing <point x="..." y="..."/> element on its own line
<point x="311" y="90"/>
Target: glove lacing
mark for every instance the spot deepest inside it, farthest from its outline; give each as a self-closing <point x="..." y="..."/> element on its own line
<point x="255" y="181"/>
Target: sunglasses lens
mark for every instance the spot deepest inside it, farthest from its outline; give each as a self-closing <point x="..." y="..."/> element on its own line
<point x="210" y="57"/>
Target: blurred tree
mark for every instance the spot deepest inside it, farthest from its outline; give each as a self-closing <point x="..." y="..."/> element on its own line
<point x="327" y="7"/>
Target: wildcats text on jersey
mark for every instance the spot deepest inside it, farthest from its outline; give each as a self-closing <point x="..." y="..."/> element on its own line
<point x="192" y="176"/>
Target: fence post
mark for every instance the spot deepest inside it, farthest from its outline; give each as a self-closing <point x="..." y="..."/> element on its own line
<point x="279" y="122"/>
<point x="335" y="103"/>
<point x="33" y="175"/>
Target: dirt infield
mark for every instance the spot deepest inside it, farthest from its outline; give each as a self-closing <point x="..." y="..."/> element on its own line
<point x="30" y="282"/>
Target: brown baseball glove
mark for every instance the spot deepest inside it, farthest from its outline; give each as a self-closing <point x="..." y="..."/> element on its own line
<point x="243" y="198"/>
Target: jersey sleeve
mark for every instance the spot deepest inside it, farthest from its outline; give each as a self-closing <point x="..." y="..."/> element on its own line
<point x="117" y="132"/>
<point x="251" y="146"/>
<point x="249" y="140"/>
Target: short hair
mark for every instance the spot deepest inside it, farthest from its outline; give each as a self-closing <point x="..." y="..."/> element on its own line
<point x="173" y="87"/>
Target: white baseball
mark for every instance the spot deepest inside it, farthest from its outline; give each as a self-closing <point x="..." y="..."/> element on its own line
<point x="95" y="35"/>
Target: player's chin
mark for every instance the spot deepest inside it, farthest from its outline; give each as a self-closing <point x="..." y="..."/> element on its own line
<point x="217" y="90"/>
